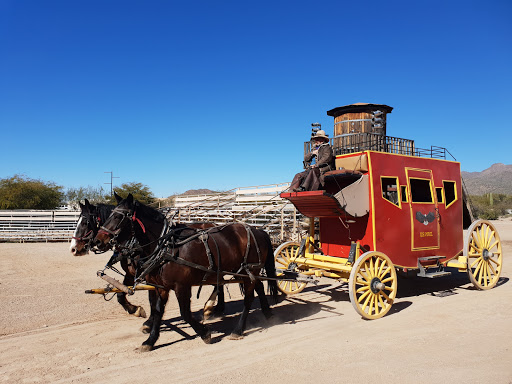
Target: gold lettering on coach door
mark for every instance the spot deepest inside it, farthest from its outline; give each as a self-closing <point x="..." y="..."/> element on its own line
<point x="426" y="234"/>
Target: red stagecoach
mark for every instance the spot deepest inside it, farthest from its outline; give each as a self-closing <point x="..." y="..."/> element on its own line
<point x="388" y="207"/>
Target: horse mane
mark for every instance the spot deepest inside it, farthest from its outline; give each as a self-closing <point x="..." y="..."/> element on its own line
<point x="147" y="211"/>
<point x="104" y="211"/>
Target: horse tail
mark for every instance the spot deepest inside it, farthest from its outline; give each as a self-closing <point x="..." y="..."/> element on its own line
<point x="270" y="268"/>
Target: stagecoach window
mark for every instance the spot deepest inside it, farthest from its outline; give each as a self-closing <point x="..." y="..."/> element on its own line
<point x="389" y="189"/>
<point x="420" y="191"/>
<point x="449" y="192"/>
<point x="439" y="193"/>
<point x="404" y="194"/>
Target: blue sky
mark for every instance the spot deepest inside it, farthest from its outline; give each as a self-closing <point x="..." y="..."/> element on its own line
<point x="202" y="94"/>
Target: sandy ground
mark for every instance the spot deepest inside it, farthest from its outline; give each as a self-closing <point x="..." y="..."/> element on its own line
<point x="439" y="330"/>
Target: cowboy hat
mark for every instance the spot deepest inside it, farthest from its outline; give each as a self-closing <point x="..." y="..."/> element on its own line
<point x="320" y="135"/>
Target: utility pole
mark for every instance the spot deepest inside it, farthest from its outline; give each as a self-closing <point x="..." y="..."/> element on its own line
<point x="112" y="177"/>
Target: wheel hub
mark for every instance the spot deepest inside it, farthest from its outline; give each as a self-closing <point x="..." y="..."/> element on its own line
<point x="486" y="254"/>
<point x="376" y="285"/>
<point x="292" y="266"/>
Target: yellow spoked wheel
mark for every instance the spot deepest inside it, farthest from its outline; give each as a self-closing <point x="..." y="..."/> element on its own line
<point x="482" y="246"/>
<point x="284" y="257"/>
<point x="372" y="285"/>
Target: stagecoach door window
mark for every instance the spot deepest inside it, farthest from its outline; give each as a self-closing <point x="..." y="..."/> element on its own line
<point x="423" y="206"/>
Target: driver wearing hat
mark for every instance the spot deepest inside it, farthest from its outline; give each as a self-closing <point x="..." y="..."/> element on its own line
<point x="313" y="176"/>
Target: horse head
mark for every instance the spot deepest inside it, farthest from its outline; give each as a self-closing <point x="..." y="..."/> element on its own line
<point x="86" y="229"/>
<point x="130" y="218"/>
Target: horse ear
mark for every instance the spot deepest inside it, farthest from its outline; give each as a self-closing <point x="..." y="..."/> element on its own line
<point x="86" y="202"/>
<point x="81" y="205"/>
<point x="129" y="199"/>
<point x="118" y="198"/>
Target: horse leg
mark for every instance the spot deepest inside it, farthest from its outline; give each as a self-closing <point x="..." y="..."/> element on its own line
<point x="129" y="307"/>
<point x="248" y="299"/>
<point x="265" y="308"/>
<point x="208" y="307"/>
<point x="157" y="314"/>
<point x="148" y="324"/>
<point x="183" y="294"/>
<point x="221" y="303"/>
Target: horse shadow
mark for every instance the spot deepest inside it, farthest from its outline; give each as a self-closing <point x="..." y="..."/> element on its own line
<point x="287" y="310"/>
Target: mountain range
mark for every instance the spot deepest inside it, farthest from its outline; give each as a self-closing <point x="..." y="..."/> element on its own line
<point x="496" y="179"/>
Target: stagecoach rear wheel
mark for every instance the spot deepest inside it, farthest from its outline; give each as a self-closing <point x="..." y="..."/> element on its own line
<point x="372" y="285"/>
<point x="284" y="257"/>
<point x="482" y="247"/>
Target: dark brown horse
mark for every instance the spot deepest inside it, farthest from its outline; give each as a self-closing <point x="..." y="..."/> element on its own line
<point x="179" y="258"/>
<point x="89" y="222"/>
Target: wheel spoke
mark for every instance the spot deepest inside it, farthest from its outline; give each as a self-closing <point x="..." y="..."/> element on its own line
<point x="379" y="274"/>
<point x="362" y="289"/>
<point x="384" y="273"/>
<point x="364" y="295"/>
<point x="388" y="299"/>
<point x="382" y="305"/>
<point x="476" y="242"/>
<point x="478" y="267"/>
<point x="361" y="282"/>
<point x="492" y="268"/>
<point x="366" y="301"/>
<point x="364" y="276"/>
<point x="485" y="237"/>
<point x="388" y="279"/>
<point x="495" y="262"/>
<point x="280" y="261"/>
<point x="371" y="268"/>
<point x="493" y="244"/>
<point x="476" y="261"/>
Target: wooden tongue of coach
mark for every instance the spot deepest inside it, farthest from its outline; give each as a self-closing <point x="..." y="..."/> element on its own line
<point x="388" y="207"/>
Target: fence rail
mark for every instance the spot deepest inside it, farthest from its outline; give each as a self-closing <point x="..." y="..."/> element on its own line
<point x="25" y="226"/>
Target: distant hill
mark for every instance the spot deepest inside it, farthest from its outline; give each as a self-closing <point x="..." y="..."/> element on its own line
<point x="199" y="192"/>
<point x="496" y="179"/>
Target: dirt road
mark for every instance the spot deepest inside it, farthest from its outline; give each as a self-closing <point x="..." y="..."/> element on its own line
<point x="439" y="330"/>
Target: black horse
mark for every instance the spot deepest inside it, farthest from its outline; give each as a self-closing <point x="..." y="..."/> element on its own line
<point x="179" y="258"/>
<point x="91" y="218"/>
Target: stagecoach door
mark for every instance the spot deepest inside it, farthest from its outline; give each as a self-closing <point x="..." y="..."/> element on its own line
<point x="423" y="206"/>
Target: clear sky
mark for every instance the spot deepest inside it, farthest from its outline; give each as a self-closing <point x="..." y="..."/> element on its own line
<point x="182" y="95"/>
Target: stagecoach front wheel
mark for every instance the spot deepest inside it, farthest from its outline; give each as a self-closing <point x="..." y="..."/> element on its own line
<point x="482" y="247"/>
<point x="372" y="285"/>
<point x="284" y="257"/>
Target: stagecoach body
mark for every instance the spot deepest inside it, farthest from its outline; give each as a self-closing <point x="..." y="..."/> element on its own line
<point x="388" y="207"/>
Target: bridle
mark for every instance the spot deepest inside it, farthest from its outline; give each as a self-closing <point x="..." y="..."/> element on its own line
<point x="92" y="225"/>
<point x="128" y="214"/>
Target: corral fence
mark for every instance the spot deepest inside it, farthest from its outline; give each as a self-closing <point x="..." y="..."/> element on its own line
<point x="259" y="206"/>
<point x="41" y="226"/>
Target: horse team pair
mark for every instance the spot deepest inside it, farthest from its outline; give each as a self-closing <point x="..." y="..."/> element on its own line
<point x="176" y="257"/>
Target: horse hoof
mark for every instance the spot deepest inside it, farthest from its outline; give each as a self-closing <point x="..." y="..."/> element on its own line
<point x="144" y="348"/>
<point x="235" y="336"/>
<point x="207" y="338"/>
<point x="140" y="312"/>
<point x="145" y="329"/>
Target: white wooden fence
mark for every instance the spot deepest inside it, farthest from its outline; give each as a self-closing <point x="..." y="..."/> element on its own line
<point x="29" y="225"/>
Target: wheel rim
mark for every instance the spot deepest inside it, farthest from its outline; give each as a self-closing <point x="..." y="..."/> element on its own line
<point x="372" y="285"/>
<point x="484" y="256"/>
<point x="284" y="258"/>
